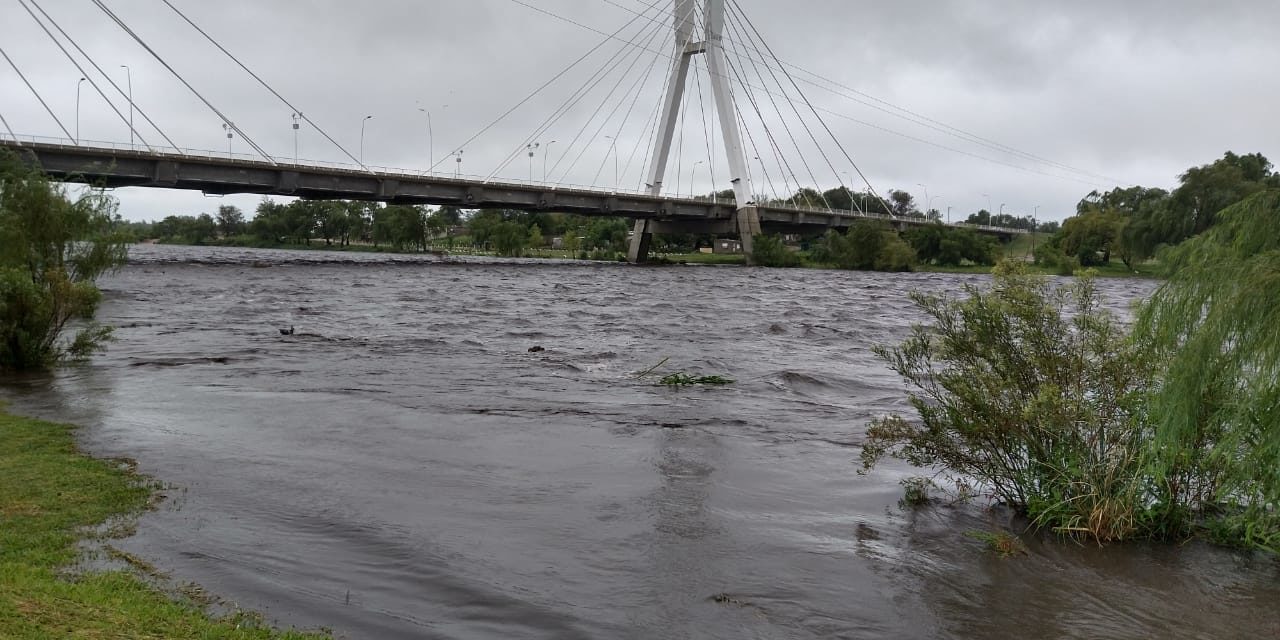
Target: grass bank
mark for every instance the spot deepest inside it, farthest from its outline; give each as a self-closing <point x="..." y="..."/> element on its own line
<point x="53" y="498"/>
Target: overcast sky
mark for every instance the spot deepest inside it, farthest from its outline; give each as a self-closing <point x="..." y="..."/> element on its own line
<point x="1065" y="97"/>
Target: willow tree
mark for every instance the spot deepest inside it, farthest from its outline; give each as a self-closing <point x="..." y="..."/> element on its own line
<point x="52" y="250"/>
<point x="1216" y="411"/>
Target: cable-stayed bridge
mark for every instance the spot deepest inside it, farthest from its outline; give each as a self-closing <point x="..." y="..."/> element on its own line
<point x="763" y="117"/>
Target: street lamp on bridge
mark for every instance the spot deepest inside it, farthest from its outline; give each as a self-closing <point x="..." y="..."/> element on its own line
<point x="545" y="152"/>
<point x="431" y="142"/>
<point x="926" y="196"/>
<point x="362" y="123"/>
<point x="78" y="109"/>
<point x="227" y="128"/>
<point x="692" y="173"/>
<point x="296" y="117"/>
<point x="613" y="147"/>
<point x="531" y="148"/>
<point x="457" y="156"/>
<point x="129" y="76"/>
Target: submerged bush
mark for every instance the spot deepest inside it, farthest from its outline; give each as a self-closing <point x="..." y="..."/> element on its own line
<point x="52" y="249"/>
<point x="1033" y="391"/>
<point x="1163" y="433"/>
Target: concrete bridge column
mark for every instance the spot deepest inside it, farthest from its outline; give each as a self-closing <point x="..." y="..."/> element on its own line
<point x="747" y="222"/>
<point x="641" y="238"/>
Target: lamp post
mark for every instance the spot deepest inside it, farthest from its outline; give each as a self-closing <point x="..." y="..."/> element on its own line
<point x="227" y="128"/>
<point x="129" y="77"/>
<point x="850" y="190"/>
<point x="531" y="148"/>
<point x="926" y="196"/>
<point x="1001" y="209"/>
<point x="948" y="214"/>
<point x="692" y="173"/>
<point x="296" y="117"/>
<point x="545" y="152"/>
<point x="988" y="202"/>
<point x="362" y="123"/>
<point x="929" y="205"/>
<point x="78" y="109"/>
<point x="1035" y="214"/>
<point x="457" y="170"/>
<point x="431" y="141"/>
<point x="613" y="146"/>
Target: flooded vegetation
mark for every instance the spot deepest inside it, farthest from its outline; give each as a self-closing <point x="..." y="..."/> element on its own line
<point x="403" y="463"/>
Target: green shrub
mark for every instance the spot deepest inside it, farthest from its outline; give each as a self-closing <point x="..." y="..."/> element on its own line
<point x="52" y="249"/>
<point x="866" y="246"/>
<point x="769" y="251"/>
<point x="1031" y="390"/>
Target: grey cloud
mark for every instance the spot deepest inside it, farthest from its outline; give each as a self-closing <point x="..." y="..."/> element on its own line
<point x="1135" y="90"/>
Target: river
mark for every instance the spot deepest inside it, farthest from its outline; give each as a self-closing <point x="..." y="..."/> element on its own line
<point x="403" y="466"/>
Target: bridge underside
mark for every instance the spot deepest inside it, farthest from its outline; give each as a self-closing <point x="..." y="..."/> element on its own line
<point x="110" y="168"/>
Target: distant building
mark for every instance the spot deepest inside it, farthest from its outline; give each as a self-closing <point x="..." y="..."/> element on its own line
<point x="727" y="245"/>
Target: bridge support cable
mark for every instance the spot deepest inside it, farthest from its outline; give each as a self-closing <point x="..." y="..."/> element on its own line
<point x="622" y="54"/>
<point x="871" y="125"/>
<point x="735" y="27"/>
<point x="575" y="97"/>
<point x="36" y="94"/>
<point x="232" y="125"/>
<point x="9" y="129"/>
<point x="748" y="24"/>
<point x="548" y="83"/>
<point x="658" y="26"/>
<point x="784" y="165"/>
<point x="604" y="122"/>
<point x="268" y="87"/>
<point x="88" y="77"/>
<point x="636" y="91"/>
<point x="897" y="111"/>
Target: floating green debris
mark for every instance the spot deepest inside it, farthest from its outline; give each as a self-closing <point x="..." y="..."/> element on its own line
<point x="682" y="379"/>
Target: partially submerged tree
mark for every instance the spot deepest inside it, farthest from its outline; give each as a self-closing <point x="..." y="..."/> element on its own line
<point x="1029" y="389"/>
<point x="1216" y="411"/>
<point x="52" y="250"/>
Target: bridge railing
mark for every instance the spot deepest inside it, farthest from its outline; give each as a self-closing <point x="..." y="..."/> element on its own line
<point x="396" y="172"/>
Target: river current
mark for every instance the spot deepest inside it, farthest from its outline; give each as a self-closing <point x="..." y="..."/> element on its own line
<point x="404" y="466"/>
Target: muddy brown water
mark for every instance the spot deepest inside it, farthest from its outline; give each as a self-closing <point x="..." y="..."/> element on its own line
<point x="402" y="466"/>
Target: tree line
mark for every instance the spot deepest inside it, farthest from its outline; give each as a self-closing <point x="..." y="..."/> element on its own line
<point x="1135" y="223"/>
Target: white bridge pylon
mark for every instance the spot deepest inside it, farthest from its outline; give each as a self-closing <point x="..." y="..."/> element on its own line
<point x="747" y="217"/>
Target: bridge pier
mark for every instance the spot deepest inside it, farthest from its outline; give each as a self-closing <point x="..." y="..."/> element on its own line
<point x="641" y="238"/>
<point x="747" y="222"/>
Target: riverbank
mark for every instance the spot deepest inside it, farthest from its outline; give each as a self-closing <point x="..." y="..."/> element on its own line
<point x="54" y="502"/>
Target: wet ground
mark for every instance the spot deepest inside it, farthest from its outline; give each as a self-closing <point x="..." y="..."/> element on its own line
<point x="402" y="466"/>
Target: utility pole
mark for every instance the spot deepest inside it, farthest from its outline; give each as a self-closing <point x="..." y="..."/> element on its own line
<point x="227" y="127"/>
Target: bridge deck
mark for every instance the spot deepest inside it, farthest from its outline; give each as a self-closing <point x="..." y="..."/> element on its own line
<point x="112" y="167"/>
